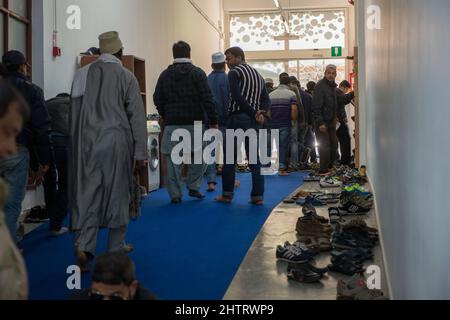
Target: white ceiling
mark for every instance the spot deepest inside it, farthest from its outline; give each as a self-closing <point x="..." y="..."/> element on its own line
<point x="246" y="5"/>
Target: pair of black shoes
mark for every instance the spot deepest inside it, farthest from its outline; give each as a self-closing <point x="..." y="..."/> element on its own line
<point x="192" y="194"/>
<point x="305" y="273"/>
<point x="346" y="265"/>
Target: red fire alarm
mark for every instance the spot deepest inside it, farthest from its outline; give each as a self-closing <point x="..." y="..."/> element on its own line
<point x="56" y="49"/>
<point x="56" y="52"/>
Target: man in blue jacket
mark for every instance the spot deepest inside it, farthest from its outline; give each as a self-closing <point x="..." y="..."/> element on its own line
<point x="220" y="88"/>
<point x="33" y="138"/>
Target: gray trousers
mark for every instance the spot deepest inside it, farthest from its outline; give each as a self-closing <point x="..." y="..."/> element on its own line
<point x="86" y="239"/>
<point x="175" y="181"/>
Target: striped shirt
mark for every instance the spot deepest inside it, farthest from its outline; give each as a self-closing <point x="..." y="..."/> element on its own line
<point x="283" y="99"/>
<point x="252" y="87"/>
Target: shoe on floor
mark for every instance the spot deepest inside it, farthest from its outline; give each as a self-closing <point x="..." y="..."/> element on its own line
<point x="176" y="200"/>
<point x="60" y="232"/>
<point x="224" y="199"/>
<point x="329" y="182"/>
<point x="346" y="267"/>
<point x="196" y="194"/>
<point x="211" y="187"/>
<point x="304" y="275"/>
<point x="356" y="289"/>
<point x="292" y="254"/>
<point x="37" y="215"/>
<point x="307" y="266"/>
<point x="257" y="202"/>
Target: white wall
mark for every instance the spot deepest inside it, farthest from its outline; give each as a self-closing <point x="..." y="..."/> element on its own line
<point x="408" y="156"/>
<point x="148" y="29"/>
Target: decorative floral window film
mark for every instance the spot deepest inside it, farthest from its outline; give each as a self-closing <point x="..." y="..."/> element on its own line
<point x="257" y="32"/>
<point x="318" y="29"/>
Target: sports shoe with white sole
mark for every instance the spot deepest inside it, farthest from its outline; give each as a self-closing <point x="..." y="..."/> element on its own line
<point x="329" y="182"/>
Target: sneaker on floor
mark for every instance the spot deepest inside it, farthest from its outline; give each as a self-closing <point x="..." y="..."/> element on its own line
<point x="356" y="289"/>
<point x="329" y="182"/>
<point x="292" y="254"/>
<point x="304" y="275"/>
<point x="60" y="232"/>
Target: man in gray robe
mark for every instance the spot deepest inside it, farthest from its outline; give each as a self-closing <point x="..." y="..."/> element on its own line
<point x="108" y="138"/>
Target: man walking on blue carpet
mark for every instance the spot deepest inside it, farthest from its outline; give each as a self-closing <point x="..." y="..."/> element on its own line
<point x="218" y="82"/>
<point x="183" y="97"/>
<point x="250" y="102"/>
<point x="108" y="136"/>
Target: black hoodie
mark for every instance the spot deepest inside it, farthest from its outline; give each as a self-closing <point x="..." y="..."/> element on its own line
<point x="183" y="96"/>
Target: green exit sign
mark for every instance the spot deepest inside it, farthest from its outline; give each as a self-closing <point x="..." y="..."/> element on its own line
<point x="336" y="51"/>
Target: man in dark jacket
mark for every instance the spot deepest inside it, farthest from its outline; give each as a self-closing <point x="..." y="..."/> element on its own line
<point x="55" y="183"/>
<point x="327" y="110"/>
<point x="34" y="137"/>
<point x="183" y="97"/>
<point x="114" y="278"/>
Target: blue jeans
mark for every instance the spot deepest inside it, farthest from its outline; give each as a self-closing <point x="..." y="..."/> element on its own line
<point x="14" y="170"/>
<point x="269" y="144"/>
<point x="211" y="170"/>
<point x="283" y="148"/>
<point x="294" y="147"/>
<point x="244" y="122"/>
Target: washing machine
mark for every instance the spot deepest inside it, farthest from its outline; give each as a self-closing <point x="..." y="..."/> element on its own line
<point x="154" y="177"/>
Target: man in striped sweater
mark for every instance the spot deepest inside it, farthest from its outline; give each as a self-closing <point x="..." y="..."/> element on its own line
<point x="249" y="105"/>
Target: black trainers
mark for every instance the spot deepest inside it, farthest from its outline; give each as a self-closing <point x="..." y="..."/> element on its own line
<point x="307" y="266"/>
<point x="304" y="275"/>
<point x="292" y="254"/>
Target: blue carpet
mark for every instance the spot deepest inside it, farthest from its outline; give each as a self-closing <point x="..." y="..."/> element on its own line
<point x="186" y="252"/>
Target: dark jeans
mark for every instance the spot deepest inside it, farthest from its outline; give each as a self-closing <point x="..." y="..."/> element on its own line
<point x="55" y="185"/>
<point x="345" y="142"/>
<point x="328" y="144"/>
<point x="310" y="142"/>
<point x="284" y="148"/>
<point x="302" y="142"/>
<point x="244" y="122"/>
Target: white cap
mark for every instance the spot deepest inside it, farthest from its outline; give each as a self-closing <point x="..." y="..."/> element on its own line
<point x="218" y="57"/>
<point x="269" y="81"/>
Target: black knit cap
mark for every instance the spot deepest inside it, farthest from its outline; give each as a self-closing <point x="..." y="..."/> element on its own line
<point x="14" y="58"/>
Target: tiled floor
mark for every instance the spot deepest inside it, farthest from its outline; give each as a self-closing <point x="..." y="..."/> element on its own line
<point x="261" y="277"/>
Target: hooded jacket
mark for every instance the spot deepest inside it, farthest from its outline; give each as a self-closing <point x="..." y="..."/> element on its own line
<point x="183" y="96"/>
